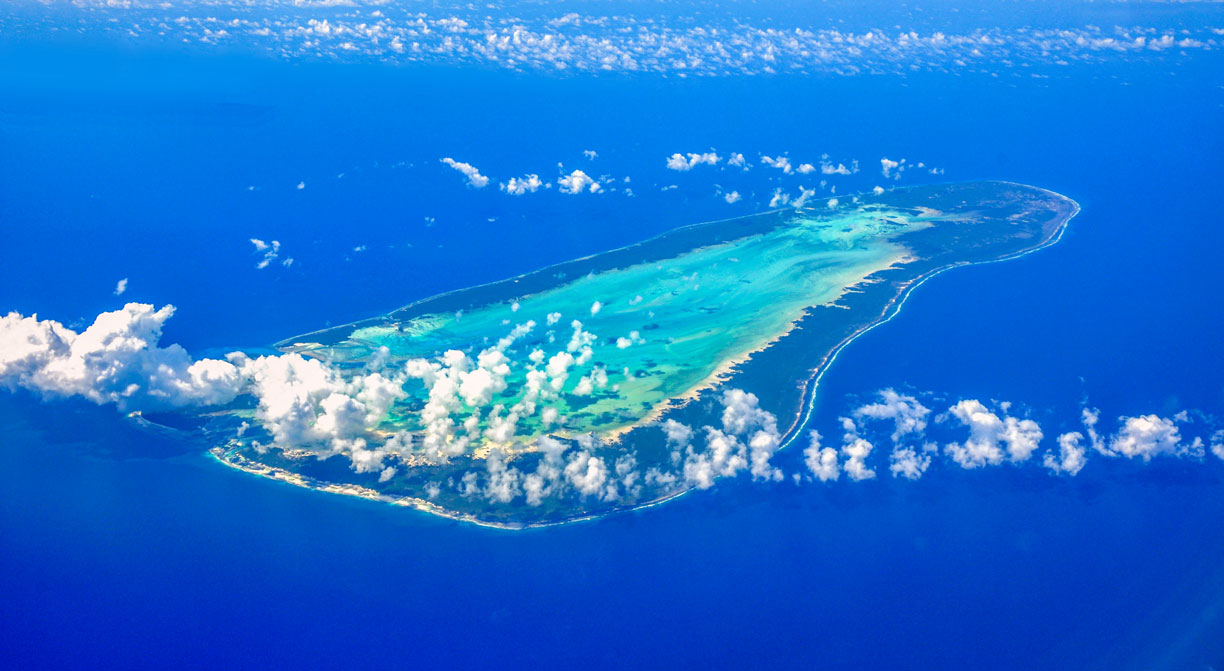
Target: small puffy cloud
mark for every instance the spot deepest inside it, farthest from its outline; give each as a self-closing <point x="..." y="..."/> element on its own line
<point x="678" y="435"/>
<point x="590" y="154"/>
<point x="558" y="370"/>
<point x="476" y="387"/>
<point x="1217" y="444"/>
<point x="517" y="186"/>
<point x="821" y="461"/>
<point x="587" y="473"/>
<point x="1071" y="454"/>
<point x="738" y="161"/>
<point x="474" y="178"/>
<point x="855" y="451"/>
<point x="827" y="168"/>
<point x="576" y="182"/>
<point x="595" y="308"/>
<point x="804" y="196"/>
<point x="301" y="185"/>
<point x="634" y="338"/>
<point x="580" y="339"/>
<point x="887" y="166"/>
<point x="502" y="483"/>
<point x="587" y="384"/>
<point x="805" y="169"/>
<point x="684" y="163"/>
<point x="501" y="428"/>
<point x="271" y="250"/>
<point x="779" y="198"/>
<point x="742" y="412"/>
<point x="515" y="333"/>
<point x="908" y="463"/>
<point x="1148" y="436"/>
<point x="989" y="435"/>
<point x="879" y="190"/>
<point x="732" y="197"/>
<point x="121" y="286"/>
<point x="1090" y="418"/>
<point x="831" y="203"/>
<point x="781" y="163"/>
<point x="724" y="455"/>
<point x="908" y="415"/>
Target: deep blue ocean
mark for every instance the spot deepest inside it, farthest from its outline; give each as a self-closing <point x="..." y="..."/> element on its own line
<point x="120" y="549"/>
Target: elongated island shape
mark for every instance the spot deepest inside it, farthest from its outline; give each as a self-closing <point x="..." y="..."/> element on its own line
<point x="602" y="384"/>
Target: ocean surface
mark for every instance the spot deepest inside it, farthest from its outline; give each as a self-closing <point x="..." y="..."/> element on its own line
<point x="123" y="549"/>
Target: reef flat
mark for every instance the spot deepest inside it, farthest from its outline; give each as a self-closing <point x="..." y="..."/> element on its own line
<point x="543" y="398"/>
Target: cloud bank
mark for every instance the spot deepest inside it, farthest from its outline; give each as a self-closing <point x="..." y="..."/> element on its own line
<point x="548" y="41"/>
<point x="306" y="404"/>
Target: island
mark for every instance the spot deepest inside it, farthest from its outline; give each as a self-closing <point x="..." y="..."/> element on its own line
<point x="593" y="386"/>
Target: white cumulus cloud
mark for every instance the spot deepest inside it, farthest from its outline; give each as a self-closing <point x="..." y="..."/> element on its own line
<point x="1147" y="436"/>
<point x="990" y="435"/>
<point x="474" y="178"/>
<point x="576" y="182"/>
<point x="517" y="186"/>
<point x="780" y="162"/>
<point x="117" y="359"/>
<point x="684" y="163"/>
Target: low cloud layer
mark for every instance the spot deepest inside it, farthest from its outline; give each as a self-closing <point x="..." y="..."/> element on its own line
<point x="674" y="43"/>
<point x="979" y="434"/>
<point x="307" y="404"/>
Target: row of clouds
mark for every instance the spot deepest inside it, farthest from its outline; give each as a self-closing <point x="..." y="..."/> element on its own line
<point x="307" y="404"/>
<point x="889" y="168"/>
<point x="746" y="439"/>
<point x="578" y="181"/>
<point x="992" y="436"/>
<point x="573" y="183"/>
<point x="270" y="253"/>
<point x="779" y="168"/>
<point x="686" y="162"/>
<point x="672" y="45"/>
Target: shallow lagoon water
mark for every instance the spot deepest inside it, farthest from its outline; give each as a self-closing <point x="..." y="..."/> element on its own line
<point x="683" y="316"/>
